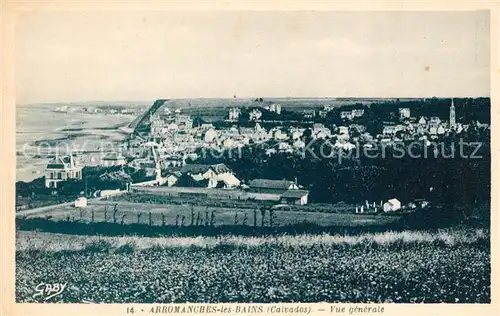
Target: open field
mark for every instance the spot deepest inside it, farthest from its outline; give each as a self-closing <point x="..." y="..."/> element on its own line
<point x="441" y="266"/>
<point x="222" y="198"/>
<point x="133" y="213"/>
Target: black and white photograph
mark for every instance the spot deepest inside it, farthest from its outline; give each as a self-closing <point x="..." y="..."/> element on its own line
<point x="252" y="157"/>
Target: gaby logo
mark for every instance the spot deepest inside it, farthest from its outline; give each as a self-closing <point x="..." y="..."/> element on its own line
<point x="48" y="290"/>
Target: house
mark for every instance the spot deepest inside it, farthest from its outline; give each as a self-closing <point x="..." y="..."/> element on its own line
<point x="343" y="130"/>
<point x="205" y="171"/>
<point x="296" y="133"/>
<point x="227" y="180"/>
<point x="349" y="115"/>
<point x="271" y="151"/>
<point x="81" y="202"/>
<point x="346" y="115"/>
<point x="206" y="126"/>
<point x="61" y="169"/>
<point x="212" y="173"/>
<point x="254" y="115"/>
<point x="184" y="121"/>
<point x="318" y="127"/>
<point x="434" y="121"/>
<point x="228" y="143"/>
<point x="272" y="186"/>
<point x="309" y="114"/>
<point x="328" y="107"/>
<point x="422" y="121"/>
<point x="322" y="113"/>
<point x="357" y="128"/>
<point x="357" y="112"/>
<point x="298" y="197"/>
<point x="279" y="135"/>
<point x="421" y="129"/>
<point x="389" y="130"/>
<point x="234" y="114"/>
<point x="113" y="159"/>
<point x="298" y="144"/>
<point x="172" y="161"/>
<point x="392" y="205"/>
<point x="172" y="178"/>
<point x="210" y="136"/>
<point x="404" y="113"/>
<point x="276" y="108"/>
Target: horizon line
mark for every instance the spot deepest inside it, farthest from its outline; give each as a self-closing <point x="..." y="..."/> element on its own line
<point x="253" y="98"/>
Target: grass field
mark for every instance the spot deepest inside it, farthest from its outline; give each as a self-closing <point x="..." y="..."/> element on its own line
<point x="441" y="266"/>
<point x="103" y="211"/>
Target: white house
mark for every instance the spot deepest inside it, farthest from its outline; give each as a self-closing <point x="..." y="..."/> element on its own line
<point x="392" y="205"/>
<point x="234" y="114"/>
<point x="357" y="112"/>
<point x="346" y="115"/>
<point x="228" y="180"/>
<point x="389" y="130"/>
<point x="210" y="136"/>
<point x="404" y="112"/>
<point x="275" y="108"/>
<point x="279" y="135"/>
<point x="61" y="169"/>
<point x="255" y="115"/>
<point x="81" y="202"/>
<point x="309" y="113"/>
<point x="299" y="144"/>
<point x="172" y="178"/>
<point x="343" y="130"/>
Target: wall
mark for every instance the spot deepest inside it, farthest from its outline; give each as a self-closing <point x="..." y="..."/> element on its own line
<point x="209" y="193"/>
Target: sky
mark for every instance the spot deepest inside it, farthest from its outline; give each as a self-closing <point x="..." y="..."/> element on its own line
<point x="72" y="56"/>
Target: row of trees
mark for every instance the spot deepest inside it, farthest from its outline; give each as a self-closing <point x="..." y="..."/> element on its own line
<point x="207" y="218"/>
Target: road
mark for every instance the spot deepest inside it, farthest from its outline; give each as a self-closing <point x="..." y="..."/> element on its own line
<point x="43" y="209"/>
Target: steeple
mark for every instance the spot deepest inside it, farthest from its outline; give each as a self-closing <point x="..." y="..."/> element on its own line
<point x="453" y="122"/>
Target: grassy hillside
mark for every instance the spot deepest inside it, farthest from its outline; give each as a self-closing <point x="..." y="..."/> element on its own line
<point x="444" y="266"/>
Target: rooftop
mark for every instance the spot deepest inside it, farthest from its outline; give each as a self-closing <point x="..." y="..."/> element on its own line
<point x="65" y="162"/>
<point x="295" y="194"/>
<point x="270" y="184"/>
<point x="198" y="168"/>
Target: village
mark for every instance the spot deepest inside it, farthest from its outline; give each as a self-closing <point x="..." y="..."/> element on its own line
<point x="293" y="160"/>
<point x="168" y="150"/>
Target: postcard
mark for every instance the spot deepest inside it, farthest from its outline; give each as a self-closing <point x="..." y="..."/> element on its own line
<point x="250" y="159"/>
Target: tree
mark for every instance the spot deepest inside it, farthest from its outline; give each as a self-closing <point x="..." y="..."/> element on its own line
<point x="198" y="121"/>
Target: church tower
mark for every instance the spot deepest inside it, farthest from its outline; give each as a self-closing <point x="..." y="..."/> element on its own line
<point x="453" y="122"/>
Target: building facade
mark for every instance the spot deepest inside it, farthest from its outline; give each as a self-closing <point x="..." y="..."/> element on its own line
<point x="61" y="169"/>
